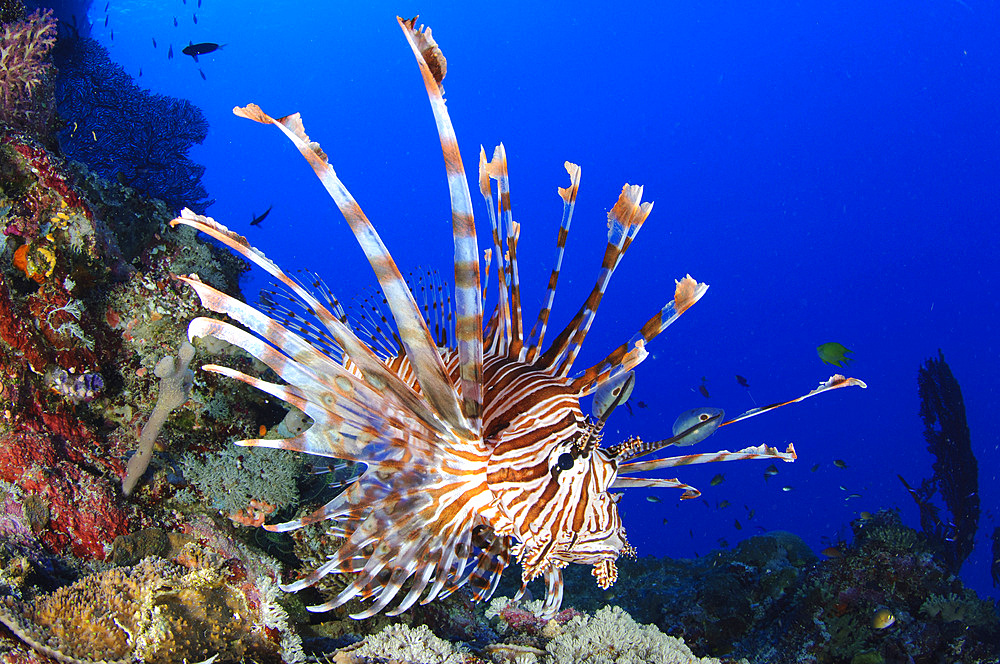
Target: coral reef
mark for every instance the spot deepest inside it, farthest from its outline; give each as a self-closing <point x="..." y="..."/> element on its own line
<point x="956" y="473"/>
<point x="121" y="131"/>
<point x="156" y="612"/>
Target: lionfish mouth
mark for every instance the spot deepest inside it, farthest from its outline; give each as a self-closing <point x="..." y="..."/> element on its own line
<point x="474" y="445"/>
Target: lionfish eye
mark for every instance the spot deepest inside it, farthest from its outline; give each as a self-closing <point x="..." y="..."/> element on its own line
<point x="565" y="461"/>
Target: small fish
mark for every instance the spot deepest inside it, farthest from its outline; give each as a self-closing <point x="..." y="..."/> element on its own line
<point x="882" y="619"/>
<point x="815" y="467"/>
<point x="707" y="420"/>
<point x="840" y="463"/>
<point x="105" y="21"/>
<point x="832" y="552"/>
<point x="654" y="499"/>
<point x="786" y="488"/>
<point x="154" y="42"/>
<point x="140" y="71"/>
<point x="723" y="543"/>
<point x="170" y="52"/>
<point x="112" y="34"/>
<point x="746" y="384"/>
<point x="195" y="17"/>
<point x="194" y="50"/>
<point x="770" y="471"/>
<point x="614" y="392"/>
<point x="175" y="21"/>
<point x="865" y="516"/>
<point x="106" y="5"/>
<point x="202" y="74"/>
<point x="199" y="4"/>
<point x="750" y="515"/>
<point x="723" y="505"/>
<point x="704" y="391"/>
<point x="718" y="479"/>
<point x="665" y="522"/>
<point x="737" y="524"/>
<point x="257" y="219"/>
<point x="642" y="404"/>
<point x="834" y="353"/>
<point x="94" y="134"/>
<point x="853" y="495"/>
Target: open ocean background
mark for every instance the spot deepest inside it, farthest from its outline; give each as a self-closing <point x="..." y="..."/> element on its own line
<point x="831" y="170"/>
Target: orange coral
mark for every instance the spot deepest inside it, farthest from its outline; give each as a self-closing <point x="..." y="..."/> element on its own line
<point x="254" y="514"/>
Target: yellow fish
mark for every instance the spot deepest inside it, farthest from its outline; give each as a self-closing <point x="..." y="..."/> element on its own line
<point x="834" y="353"/>
<point x="718" y="479"/>
<point x="883" y="618"/>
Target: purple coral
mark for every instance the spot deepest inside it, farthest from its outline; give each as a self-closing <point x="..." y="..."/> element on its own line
<point x="121" y="131"/>
<point x="24" y="66"/>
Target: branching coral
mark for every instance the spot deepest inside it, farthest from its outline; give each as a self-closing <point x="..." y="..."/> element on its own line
<point x="24" y="68"/>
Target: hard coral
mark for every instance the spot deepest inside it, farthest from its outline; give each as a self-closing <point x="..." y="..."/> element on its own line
<point x="154" y="612"/>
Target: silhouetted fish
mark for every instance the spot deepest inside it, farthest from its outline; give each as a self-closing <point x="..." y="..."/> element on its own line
<point x="175" y="21"/>
<point x="194" y="50"/>
<point x="112" y="34"/>
<point x="105" y="21"/>
<point x="256" y="220"/>
<point x="154" y="42"/>
<point x="195" y="17"/>
<point x="106" y="7"/>
<point x="703" y="390"/>
<point x="170" y="52"/>
<point x="202" y="74"/>
<point x="742" y="381"/>
<point x="140" y="71"/>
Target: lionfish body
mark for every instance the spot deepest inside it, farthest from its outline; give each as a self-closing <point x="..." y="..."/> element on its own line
<point x="475" y="447"/>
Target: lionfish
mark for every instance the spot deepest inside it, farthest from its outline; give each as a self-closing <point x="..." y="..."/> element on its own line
<point x="475" y="448"/>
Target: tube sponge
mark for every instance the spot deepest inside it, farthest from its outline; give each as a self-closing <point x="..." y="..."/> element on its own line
<point x="175" y="387"/>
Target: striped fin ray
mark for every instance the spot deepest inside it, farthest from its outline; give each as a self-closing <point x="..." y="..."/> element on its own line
<point x="497" y="170"/>
<point x="288" y="310"/>
<point x="469" y="322"/>
<point x="349" y="416"/>
<point x="435" y="383"/>
<point x="835" y="382"/>
<point x="656" y="483"/>
<point x="375" y="373"/>
<point x="372" y="323"/>
<point x="413" y="527"/>
<point x="624" y="221"/>
<point x="568" y="195"/>
<point x="485" y="578"/>
<point x="626" y="357"/>
<point x="758" y="452"/>
<point x="497" y="333"/>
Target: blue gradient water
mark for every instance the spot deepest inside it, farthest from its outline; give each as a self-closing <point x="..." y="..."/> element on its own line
<point x="831" y="170"/>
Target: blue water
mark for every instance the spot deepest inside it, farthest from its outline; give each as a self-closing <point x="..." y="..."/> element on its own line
<point x="831" y="169"/>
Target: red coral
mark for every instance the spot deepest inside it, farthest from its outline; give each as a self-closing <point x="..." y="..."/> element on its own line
<point x="84" y="518"/>
<point x="49" y="177"/>
<point x="19" y="333"/>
